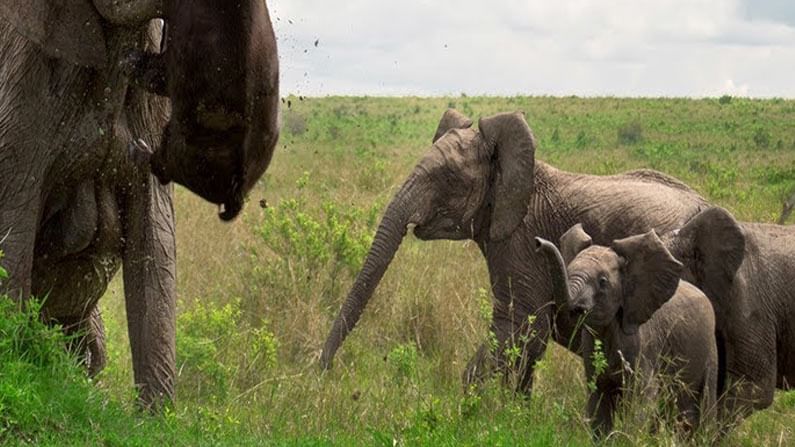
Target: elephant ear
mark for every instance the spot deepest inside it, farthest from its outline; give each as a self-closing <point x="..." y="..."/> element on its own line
<point x="574" y="241"/>
<point x="712" y="247"/>
<point x="650" y="277"/>
<point x="513" y="148"/>
<point x="64" y="29"/>
<point x="452" y="119"/>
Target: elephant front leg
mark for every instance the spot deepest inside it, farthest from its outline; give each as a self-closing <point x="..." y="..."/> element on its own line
<point x="19" y="216"/>
<point x="517" y="341"/>
<point x="149" y="287"/>
<point x="600" y="409"/>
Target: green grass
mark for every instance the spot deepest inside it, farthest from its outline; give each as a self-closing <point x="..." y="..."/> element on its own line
<point x="257" y="296"/>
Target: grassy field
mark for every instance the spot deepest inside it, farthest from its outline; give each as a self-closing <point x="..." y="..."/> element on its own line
<point x="257" y="296"/>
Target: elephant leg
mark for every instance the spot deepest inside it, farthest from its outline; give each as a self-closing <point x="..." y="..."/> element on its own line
<point x="751" y="378"/>
<point x="18" y="225"/>
<point x="149" y="267"/>
<point x="95" y="342"/>
<point x="87" y="339"/>
<point x="600" y="408"/>
<point x="518" y="343"/>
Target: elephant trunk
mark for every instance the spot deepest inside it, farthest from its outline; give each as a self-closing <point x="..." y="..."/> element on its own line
<point x="387" y="240"/>
<point x="560" y="279"/>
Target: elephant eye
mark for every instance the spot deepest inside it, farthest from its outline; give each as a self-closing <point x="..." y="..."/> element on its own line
<point x="603" y="282"/>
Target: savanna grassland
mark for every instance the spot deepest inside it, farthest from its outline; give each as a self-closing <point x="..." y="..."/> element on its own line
<point x="257" y="296"/>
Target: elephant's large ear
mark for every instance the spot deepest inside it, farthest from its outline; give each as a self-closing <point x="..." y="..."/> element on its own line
<point x="452" y="119"/>
<point x="64" y="29"/>
<point x="574" y="241"/>
<point x="650" y="277"/>
<point x="712" y="247"/>
<point x="514" y="146"/>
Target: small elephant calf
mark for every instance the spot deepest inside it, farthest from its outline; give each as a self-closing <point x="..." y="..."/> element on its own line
<point x="647" y="319"/>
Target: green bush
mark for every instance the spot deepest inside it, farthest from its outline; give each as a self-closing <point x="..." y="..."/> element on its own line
<point x="336" y="234"/>
<point x="295" y="123"/>
<point x="403" y="361"/>
<point x="630" y="133"/>
<point x="219" y="352"/>
<point x="761" y="138"/>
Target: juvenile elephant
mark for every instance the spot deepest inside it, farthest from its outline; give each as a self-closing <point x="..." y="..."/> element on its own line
<point x="73" y="207"/>
<point x="648" y="321"/>
<point x="748" y="271"/>
<point x="485" y="184"/>
<point x="221" y="71"/>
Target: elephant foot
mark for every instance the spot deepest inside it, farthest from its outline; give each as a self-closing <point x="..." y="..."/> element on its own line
<point x="479" y="368"/>
<point x="86" y="340"/>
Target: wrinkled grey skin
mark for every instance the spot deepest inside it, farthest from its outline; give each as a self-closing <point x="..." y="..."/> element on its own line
<point x="485" y="184"/>
<point x="634" y="302"/>
<point x="752" y="288"/>
<point x="73" y="208"/>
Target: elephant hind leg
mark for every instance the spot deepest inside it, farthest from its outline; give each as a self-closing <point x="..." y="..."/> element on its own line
<point x="87" y="340"/>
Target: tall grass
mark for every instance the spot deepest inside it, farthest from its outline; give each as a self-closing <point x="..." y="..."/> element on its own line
<point x="257" y="296"/>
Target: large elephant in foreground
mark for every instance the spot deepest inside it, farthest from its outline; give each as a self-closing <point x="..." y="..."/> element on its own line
<point x="73" y="207"/>
<point x="486" y="185"/>
<point x="748" y="272"/>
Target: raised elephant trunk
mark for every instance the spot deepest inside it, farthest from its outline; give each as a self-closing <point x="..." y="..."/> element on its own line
<point x="560" y="279"/>
<point x="387" y="239"/>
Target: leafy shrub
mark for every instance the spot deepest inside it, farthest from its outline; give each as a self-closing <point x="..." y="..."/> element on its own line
<point x="42" y="388"/>
<point x="761" y="138"/>
<point x="403" y="361"/>
<point x="3" y="272"/>
<point x="295" y="123"/>
<point x="338" y="234"/>
<point x="630" y="133"/>
<point x="218" y="350"/>
<point x="582" y="141"/>
<point x="656" y="154"/>
<point x="555" y="136"/>
<point x="724" y="100"/>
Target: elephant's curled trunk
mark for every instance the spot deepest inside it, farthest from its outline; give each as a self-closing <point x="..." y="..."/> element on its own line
<point x="560" y="279"/>
<point x="387" y="240"/>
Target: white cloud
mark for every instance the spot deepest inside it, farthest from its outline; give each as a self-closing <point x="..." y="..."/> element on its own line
<point x="730" y="88"/>
<point x="535" y="47"/>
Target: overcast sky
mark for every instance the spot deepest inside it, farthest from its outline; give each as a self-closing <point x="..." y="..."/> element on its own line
<point x="537" y="47"/>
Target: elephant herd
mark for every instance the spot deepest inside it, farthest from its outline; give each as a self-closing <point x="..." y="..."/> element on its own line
<point x="100" y="110"/>
<point x="649" y="265"/>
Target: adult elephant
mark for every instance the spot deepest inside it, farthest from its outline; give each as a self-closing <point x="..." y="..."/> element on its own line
<point x="747" y="270"/>
<point x="486" y="185"/>
<point x="73" y="207"/>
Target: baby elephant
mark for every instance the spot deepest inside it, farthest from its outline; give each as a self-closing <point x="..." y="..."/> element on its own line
<point x="220" y="69"/>
<point x="648" y="321"/>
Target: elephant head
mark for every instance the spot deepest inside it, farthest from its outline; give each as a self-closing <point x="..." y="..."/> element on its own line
<point x="223" y="82"/>
<point x="711" y="245"/>
<point x="626" y="282"/>
<point x="472" y="183"/>
<point x="72" y="29"/>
